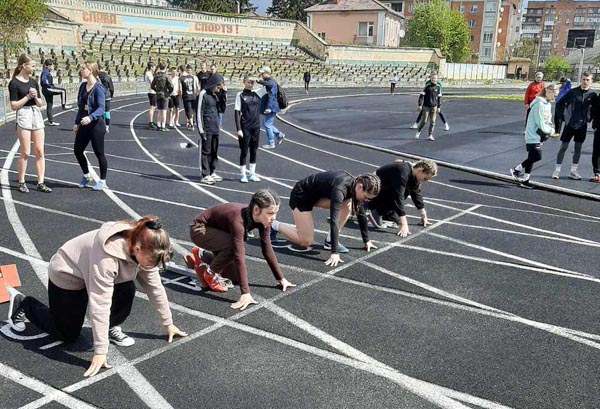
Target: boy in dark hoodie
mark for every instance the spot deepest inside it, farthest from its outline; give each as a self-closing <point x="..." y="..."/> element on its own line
<point x="163" y="88"/>
<point x="209" y="106"/>
<point x="430" y="102"/>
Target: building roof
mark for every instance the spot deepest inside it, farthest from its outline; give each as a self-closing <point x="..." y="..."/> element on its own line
<point x="352" y="5"/>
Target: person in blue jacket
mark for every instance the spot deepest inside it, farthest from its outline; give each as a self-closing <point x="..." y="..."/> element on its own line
<point x="565" y="86"/>
<point x="90" y="125"/>
<point x="269" y="108"/>
<point x="539" y="128"/>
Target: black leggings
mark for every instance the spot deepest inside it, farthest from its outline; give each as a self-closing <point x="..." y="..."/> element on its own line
<point x="534" y="154"/>
<point x="94" y="132"/>
<point x="249" y="142"/>
<point x="63" y="319"/>
<point x="188" y="105"/>
<point x="49" y="94"/>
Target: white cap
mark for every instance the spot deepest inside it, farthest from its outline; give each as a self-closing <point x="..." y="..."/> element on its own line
<point x="264" y="69"/>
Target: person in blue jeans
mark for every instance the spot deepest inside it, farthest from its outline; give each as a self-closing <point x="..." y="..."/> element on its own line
<point x="269" y="108"/>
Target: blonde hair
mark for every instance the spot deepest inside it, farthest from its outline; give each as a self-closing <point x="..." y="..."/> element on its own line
<point x="552" y="87"/>
<point x="148" y="233"/>
<point x="93" y="67"/>
<point x="23" y="59"/>
<point x="427" y="165"/>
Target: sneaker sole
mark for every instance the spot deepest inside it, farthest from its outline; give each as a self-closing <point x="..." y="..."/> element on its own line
<point x="122" y="343"/>
<point x="14" y="326"/>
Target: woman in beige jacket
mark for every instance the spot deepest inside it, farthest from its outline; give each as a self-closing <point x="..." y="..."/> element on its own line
<point x="96" y="270"/>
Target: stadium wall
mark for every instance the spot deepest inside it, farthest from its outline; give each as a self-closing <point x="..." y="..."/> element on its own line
<point x="428" y="57"/>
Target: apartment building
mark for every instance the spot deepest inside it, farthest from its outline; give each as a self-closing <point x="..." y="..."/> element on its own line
<point x="549" y="22"/>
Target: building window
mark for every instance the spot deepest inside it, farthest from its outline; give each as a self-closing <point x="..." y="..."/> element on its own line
<point x="398" y="7"/>
<point x="472" y="24"/>
<point x="411" y="8"/>
<point x="365" y="29"/>
<point x="488" y="37"/>
<point x="472" y="38"/>
<point x="321" y="35"/>
<point x="474" y="8"/>
<point x="489" y="22"/>
<point x="461" y="8"/>
<point x="491" y="7"/>
<point x="487" y="51"/>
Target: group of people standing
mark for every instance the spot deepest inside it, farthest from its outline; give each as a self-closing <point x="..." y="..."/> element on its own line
<point x="575" y="108"/>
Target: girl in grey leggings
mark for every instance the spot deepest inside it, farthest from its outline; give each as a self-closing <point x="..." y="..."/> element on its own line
<point x="568" y="134"/>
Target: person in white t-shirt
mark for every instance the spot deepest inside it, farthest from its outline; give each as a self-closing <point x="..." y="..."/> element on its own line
<point x="174" y="99"/>
<point x="149" y="77"/>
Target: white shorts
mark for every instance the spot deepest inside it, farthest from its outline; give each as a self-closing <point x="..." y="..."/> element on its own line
<point x="30" y="118"/>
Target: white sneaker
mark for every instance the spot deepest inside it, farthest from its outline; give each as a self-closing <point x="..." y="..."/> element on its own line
<point x="414" y="126"/>
<point x="118" y="337"/>
<point x="417" y="135"/>
<point x="107" y="129"/>
<point x="431" y="138"/>
<point x="207" y="180"/>
<point x="53" y="123"/>
<point x="574" y="175"/>
<point x="269" y="146"/>
<point x="216" y="177"/>
<point x="556" y="174"/>
<point x="244" y="178"/>
<point x="16" y="315"/>
<point x="253" y="178"/>
<point x="446" y="127"/>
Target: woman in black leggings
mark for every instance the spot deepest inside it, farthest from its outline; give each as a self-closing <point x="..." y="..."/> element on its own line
<point x="89" y="124"/>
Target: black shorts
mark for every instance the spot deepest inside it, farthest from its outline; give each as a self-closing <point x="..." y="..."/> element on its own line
<point x="174" y="101"/>
<point x="162" y="103"/>
<point x="568" y="134"/>
<point x="298" y="200"/>
<point x="152" y="99"/>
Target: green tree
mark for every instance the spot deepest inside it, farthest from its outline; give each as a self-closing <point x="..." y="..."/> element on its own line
<point x="435" y="25"/>
<point x="214" y="6"/>
<point x="290" y="9"/>
<point x="555" y="66"/>
<point x="17" y="17"/>
<point x="526" y="48"/>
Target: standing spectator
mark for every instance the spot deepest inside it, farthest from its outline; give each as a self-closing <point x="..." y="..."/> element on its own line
<point x="149" y="77"/>
<point x="221" y="95"/>
<point x="595" y="115"/>
<point x="539" y="128"/>
<point x="190" y="88"/>
<point x="574" y="109"/>
<point x="174" y="99"/>
<point x="393" y="82"/>
<point x="430" y="102"/>
<point x="49" y="90"/>
<point x="269" y="108"/>
<point x="107" y="81"/>
<point x="306" y="78"/>
<point x="533" y="89"/>
<point x="440" y="113"/>
<point x="25" y="100"/>
<point x="247" y="123"/>
<point x="565" y="86"/>
<point x="163" y="88"/>
<point x="89" y="124"/>
<point x="202" y="76"/>
<point x="208" y="128"/>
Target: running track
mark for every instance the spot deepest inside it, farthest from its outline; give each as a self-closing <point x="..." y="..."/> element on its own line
<point x="493" y="306"/>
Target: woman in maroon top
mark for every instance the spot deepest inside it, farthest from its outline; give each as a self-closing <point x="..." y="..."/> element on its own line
<point x="224" y="228"/>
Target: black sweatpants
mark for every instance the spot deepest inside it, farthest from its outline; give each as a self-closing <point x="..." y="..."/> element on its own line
<point x="49" y="94"/>
<point x="94" y="132"/>
<point x="188" y="105"/>
<point x="534" y="154"/>
<point x="209" y="149"/>
<point x="63" y="319"/>
<point x="249" y="141"/>
<point x="596" y="153"/>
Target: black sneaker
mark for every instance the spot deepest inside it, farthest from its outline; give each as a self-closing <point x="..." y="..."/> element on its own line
<point x="152" y="125"/>
<point x="41" y="187"/>
<point x="118" y="337"/>
<point x="281" y="138"/>
<point x="22" y="187"/>
<point x="526" y="184"/>
<point x="16" y="314"/>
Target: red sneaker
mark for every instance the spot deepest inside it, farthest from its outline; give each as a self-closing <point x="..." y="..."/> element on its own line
<point x="214" y="282"/>
<point x="195" y="262"/>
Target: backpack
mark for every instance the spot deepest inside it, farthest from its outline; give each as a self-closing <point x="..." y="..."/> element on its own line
<point x="282" y="100"/>
<point x="107" y="83"/>
<point x="162" y="85"/>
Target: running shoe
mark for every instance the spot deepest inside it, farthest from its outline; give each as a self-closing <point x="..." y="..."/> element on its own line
<point x="516" y="175"/>
<point x="99" y="186"/>
<point x="556" y="174"/>
<point x="375" y="219"/>
<point x="341" y="248"/>
<point x="275" y="240"/>
<point x="595" y="179"/>
<point x="107" y="129"/>
<point x="194" y="261"/>
<point x="417" y="135"/>
<point x="299" y="249"/>
<point x="431" y="138"/>
<point x="52" y="123"/>
<point x="16" y="314"/>
<point x="526" y="184"/>
<point x="214" y="282"/>
<point x="216" y="177"/>
<point x="414" y="126"/>
<point x="207" y="180"/>
<point x="22" y="187"/>
<point x="67" y="106"/>
<point x="86" y="181"/>
<point x="118" y="337"/>
<point x="41" y="187"/>
<point x="269" y="146"/>
<point x="574" y="175"/>
<point x="152" y="125"/>
<point x="446" y="127"/>
<point x="280" y="138"/>
<point x="244" y="178"/>
<point x="253" y="178"/>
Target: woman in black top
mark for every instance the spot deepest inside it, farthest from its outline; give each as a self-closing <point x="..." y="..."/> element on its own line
<point x="335" y="190"/>
<point x="25" y="100"/>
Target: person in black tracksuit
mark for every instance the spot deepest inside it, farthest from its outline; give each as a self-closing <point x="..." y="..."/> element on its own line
<point x="399" y="180"/>
<point x="595" y="115"/>
<point x="190" y="89"/>
<point x="49" y="90"/>
<point x="338" y="191"/>
<point x="574" y="110"/>
<point x="306" y="79"/>
<point x="107" y="81"/>
<point x="247" y="123"/>
<point x="209" y="105"/>
<point x="430" y="102"/>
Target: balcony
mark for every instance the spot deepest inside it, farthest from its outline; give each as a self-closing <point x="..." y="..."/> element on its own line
<point x="365" y="40"/>
<point x="531" y="28"/>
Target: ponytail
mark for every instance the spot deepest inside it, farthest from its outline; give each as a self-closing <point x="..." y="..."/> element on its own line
<point x="148" y="233"/>
<point x="23" y="59"/>
<point x="262" y="199"/>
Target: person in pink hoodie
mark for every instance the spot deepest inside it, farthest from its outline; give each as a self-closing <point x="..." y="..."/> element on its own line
<point x="95" y="271"/>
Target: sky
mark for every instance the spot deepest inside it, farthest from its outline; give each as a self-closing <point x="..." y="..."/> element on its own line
<point x="262" y="5"/>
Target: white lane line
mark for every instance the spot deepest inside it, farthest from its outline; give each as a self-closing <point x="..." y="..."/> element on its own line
<point x="169" y="169"/>
<point x="507" y="255"/>
<point x="38" y="386"/>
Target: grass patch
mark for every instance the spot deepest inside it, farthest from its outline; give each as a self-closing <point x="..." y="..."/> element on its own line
<point x="505" y="97"/>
